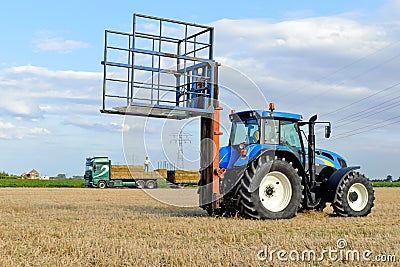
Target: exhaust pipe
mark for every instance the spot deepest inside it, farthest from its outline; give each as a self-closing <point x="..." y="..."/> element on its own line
<point x="311" y="150"/>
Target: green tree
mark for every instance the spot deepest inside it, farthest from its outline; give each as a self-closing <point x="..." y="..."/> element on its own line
<point x="61" y="176"/>
<point x="389" y="178"/>
<point x="3" y="175"/>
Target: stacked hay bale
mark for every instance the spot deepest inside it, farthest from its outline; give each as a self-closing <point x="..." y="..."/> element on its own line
<point x="162" y="173"/>
<point x="183" y="176"/>
<point x="132" y="171"/>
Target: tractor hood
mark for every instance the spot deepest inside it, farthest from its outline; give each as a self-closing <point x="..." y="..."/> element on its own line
<point x="329" y="158"/>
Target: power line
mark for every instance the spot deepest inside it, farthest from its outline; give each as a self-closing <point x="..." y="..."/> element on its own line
<point x="366" y="128"/>
<point x="357" y="76"/>
<point x="353" y="63"/>
<point x="362" y="99"/>
<point x="361" y="59"/>
<point x="366" y="113"/>
<point x="369" y="111"/>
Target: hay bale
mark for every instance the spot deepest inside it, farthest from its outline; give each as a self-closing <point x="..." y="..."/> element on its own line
<point x="183" y="176"/>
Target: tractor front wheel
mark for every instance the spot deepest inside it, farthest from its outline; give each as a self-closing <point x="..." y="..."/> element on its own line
<point x="354" y="197"/>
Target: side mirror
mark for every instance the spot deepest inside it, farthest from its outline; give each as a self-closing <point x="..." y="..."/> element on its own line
<point x="327" y="131"/>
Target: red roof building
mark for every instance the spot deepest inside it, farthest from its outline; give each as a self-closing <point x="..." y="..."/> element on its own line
<point x="33" y="174"/>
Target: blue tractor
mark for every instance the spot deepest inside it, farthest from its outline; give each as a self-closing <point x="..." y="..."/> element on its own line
<point x="269" y="171"/>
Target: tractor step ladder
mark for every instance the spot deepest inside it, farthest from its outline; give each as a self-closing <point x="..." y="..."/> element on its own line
<point x="165" y="69"/>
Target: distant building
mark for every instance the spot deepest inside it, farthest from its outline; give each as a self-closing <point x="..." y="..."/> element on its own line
<point x="45" y="177"/>
<point x="33" y="174"/>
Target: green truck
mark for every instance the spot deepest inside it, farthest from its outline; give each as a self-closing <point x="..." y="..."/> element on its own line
<point x="101" y="174"/>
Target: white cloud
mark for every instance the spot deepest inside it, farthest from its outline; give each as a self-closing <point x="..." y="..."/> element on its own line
<point x="133" y="127"/>
<point x="46" y="41"/>
<point x="31" y="91"/>
<point x="338" y="35"/>
<point x="318" y="63"/>
<point x="9" y="130"/>
<point x="86" y="123"/>
<point x="20" y="107"/>
<point x="47" y="73"/>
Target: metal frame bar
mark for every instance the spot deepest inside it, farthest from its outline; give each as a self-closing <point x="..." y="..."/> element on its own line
<point x="172" y="21"/>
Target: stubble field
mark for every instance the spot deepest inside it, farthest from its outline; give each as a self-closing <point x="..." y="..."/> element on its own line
<point x="126" y="227"/>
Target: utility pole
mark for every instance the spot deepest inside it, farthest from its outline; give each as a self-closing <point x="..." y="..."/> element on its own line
<point x="181" y="138"/>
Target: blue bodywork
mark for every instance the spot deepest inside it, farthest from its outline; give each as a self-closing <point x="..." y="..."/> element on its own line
<point x="230" y="157"/>
<point x="328" y="158"/>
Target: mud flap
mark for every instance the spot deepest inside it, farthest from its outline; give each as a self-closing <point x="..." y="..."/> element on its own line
<point x="331" y="186"/>
<point x="232" y="177"/>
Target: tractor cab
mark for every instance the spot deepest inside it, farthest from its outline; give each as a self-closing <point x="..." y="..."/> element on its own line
<point x="255" y="131"/>
<point x="258" y="130"/>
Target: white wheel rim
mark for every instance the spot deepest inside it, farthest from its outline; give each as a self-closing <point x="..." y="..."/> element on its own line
<point x="275" y="191"/>
<point x="357" y="197"/>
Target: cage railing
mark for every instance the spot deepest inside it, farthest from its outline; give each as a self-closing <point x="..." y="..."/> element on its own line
<point x="159" y="74"/>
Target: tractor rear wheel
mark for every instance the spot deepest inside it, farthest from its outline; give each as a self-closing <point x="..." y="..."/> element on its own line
<point x="270" y="190"/>
<point x="354" y="197"/>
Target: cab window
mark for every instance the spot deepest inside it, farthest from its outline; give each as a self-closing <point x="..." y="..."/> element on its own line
<point x="97" y="168"/>
<point x="290" y="135"/>
<point x="245" y="131"/>
<point x="271" y="132"/>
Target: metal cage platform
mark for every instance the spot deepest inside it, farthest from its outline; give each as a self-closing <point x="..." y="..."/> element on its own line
<point x="163" y="69"/>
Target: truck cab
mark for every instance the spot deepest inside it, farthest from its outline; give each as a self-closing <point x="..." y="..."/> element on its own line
<point x="97" y="170"/>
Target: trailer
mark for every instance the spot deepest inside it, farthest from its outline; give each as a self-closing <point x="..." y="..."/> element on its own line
<point x="100" y="173"/>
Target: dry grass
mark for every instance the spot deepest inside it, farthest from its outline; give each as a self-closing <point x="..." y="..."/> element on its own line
<point x="125" y="227"/>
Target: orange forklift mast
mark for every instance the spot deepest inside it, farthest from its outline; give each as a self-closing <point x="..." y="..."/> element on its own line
<point x="166" y="70"/>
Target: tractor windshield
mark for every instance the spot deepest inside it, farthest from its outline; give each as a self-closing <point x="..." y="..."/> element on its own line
<point x="245" y="130"/>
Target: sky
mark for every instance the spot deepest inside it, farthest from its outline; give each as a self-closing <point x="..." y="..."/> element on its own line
<point x="338" y="59"/>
